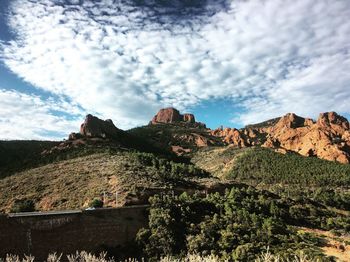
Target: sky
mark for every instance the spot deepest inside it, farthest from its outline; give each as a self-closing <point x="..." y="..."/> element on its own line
<point x="231" y="63"/>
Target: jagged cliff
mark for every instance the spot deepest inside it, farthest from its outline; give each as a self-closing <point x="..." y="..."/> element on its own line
<point x="327" y="138"/>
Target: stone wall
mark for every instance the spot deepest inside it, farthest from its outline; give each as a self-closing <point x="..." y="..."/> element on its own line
<point x="93" y="231"/>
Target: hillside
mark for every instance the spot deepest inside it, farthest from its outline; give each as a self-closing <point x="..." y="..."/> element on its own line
<point x="176" y="137"/>
<point x="74" y="183"/>
<point x="228" y="192"/>
<point x="288" y="175"/>
<point x="17" y="155"/>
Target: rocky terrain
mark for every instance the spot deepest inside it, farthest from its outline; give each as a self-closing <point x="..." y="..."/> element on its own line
<point x="327" y="138"/>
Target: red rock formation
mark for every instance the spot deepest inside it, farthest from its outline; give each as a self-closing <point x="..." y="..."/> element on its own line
<point x="172" y="115"/>
<point x="167" y="115"/>
<point x="95" y="127"/>
<point x="188" y="118"/>
<point x="334" y="122"/>
<point x="231" y="136"/>
<point x="328" y="138"/>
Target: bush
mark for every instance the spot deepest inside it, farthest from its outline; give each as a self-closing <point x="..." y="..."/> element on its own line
<point x="23" y="205"/>
<point x="96" y="203"/>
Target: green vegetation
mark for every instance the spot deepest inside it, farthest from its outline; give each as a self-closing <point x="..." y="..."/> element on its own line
<point x="267" y="166"/>
<point x="23" y="205"/>
<point x="235" y="226"/>
<point x="170" y="169"/>
<point x="18" y="155"/>
<point x="270" y="197"/>
<point x="165" y="135"/>
<point x="88" y="172"/>
<point x="294" y="176"/>
<point x="96" y="203"/>
<point x="266" y="123"/>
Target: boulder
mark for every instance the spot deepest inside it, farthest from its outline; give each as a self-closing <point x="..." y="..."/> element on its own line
<point x="291" y="120"/>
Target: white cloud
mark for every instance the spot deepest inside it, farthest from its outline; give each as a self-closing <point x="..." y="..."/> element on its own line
<point x="125" y="62"/>
<point x="24" y="116"/>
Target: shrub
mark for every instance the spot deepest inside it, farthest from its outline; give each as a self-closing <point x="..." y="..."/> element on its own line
<point x="96" y="203"/>
<point x="23" y="205"/>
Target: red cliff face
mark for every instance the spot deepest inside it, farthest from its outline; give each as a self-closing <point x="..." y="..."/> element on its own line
<point x="334" y="122"/>
<point x="189" y="118"/>
<point x="95" y="127"/>
<point x="167" y="115"/>
<point x="172" y="115"/>
<point x="328" y="138"/>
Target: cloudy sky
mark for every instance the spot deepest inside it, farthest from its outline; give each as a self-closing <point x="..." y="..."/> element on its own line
<point x="228" y="62"/>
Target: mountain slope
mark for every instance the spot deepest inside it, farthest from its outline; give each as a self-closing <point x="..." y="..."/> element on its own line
<point x="20" y="154"/>
<point x="73" y="183"/>
<point x="289" y="175"/>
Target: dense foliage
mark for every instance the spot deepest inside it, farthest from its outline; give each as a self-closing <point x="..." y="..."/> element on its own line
<point x="235" y="226"/>
<point x="292" y="175"/>
<point x="271" y="167"/>
<point x="169" y="169"/>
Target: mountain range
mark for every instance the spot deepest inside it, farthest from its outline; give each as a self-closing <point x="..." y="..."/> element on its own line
<point x="173" y="151"/>
<point x="327" y="138"/>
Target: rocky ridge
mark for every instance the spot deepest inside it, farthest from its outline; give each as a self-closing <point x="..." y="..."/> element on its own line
<point x="328" y="138"/>
<point x="171" y="115"/>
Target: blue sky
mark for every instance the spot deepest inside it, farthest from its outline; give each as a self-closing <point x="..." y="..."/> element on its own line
<point x="230" y="63"/>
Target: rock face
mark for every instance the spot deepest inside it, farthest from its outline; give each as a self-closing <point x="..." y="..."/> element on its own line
<point x="327" y="138"/>
<point x="232" y="136"/>
<point x="189" y="118"/>
<point x="95" y="127"/>
<point x="167" y="115"/>
<point x="172" y="115"/>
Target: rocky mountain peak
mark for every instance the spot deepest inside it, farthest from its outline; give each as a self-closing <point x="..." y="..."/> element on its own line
<point x="95" y="127"/>
<point x="333" y="120"/>
<point x="328" y="138"/>
<point x="292" y="120"/>
<point x="172" y="115"/>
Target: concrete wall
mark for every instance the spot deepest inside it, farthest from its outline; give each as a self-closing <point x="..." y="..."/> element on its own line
<point x="66" y="233"/>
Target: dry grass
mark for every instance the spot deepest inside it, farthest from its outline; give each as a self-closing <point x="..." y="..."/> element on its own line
<point x="217" y="160"/>
<point x="63" y="185"/>
<point x="87" y="257"/>
<point x="73" y="183"/>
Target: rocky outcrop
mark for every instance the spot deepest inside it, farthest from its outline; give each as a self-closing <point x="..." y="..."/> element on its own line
<point x="189" y="118"/>
<point x="173" y="116"/>
<point x="232" y="136"/>
<point x="327" y="138"/>
<point x="167" y="115"/>
<point x="333" y="122"/>
<point x="95" y="127"/>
